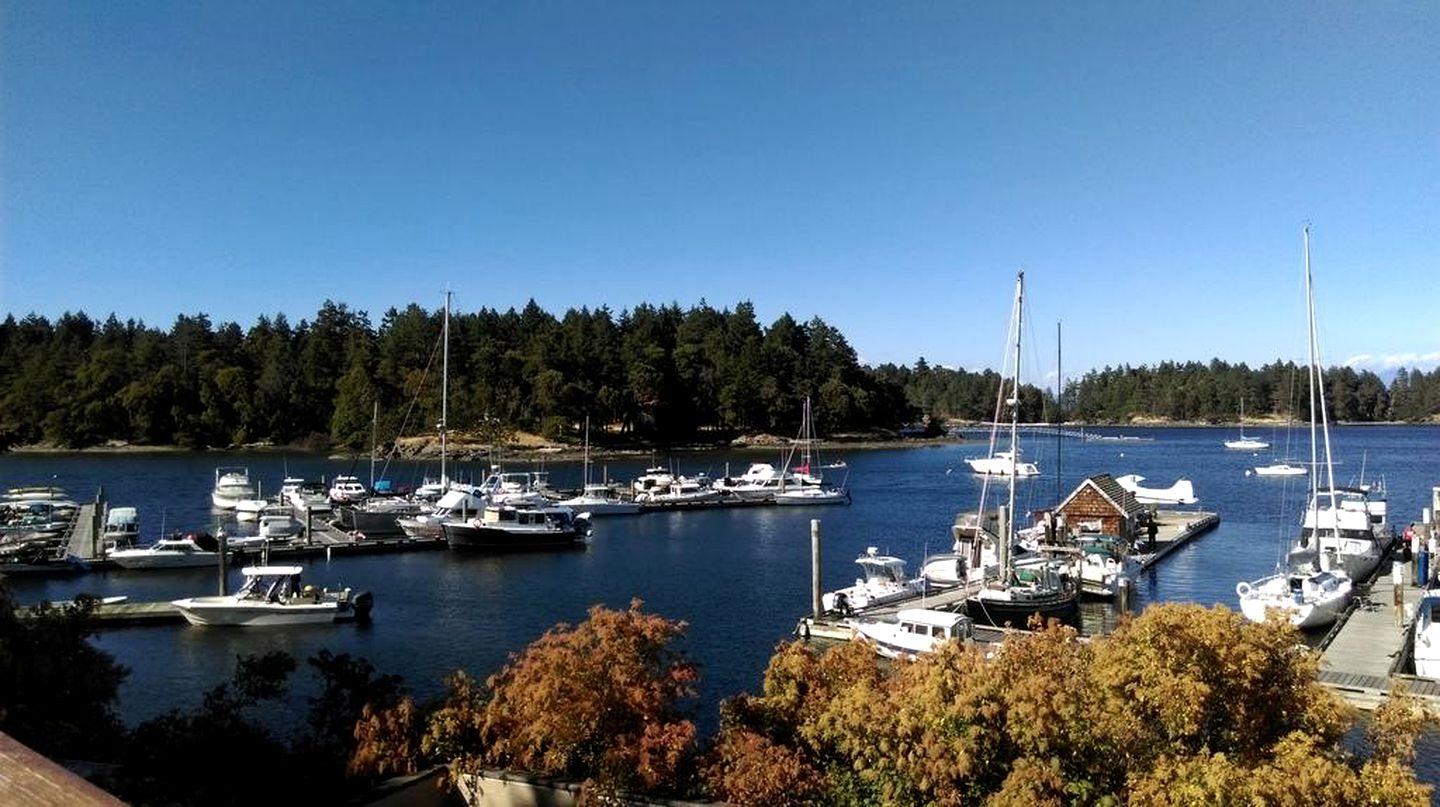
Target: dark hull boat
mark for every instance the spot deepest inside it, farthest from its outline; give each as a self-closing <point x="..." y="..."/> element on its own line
<point x="505" y="528"/>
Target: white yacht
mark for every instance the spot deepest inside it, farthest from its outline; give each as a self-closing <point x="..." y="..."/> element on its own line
<point x="601" y="500"/>
<point x="305" y="495"/>
<point x="883" y="579"/>
<point x="274" y="596"/>
<point x="1280" y="469"/>
<point x="232" y="486"/>
<point x="347" y="490"/>
<point x="913" y="632"/>
<point x="1000" y="463"/>
<point x="1341" y="523"/>
<point x="250" y="509"/>
<point x="762" y="481"/>
<point x="176" y="552"/>
<point x="1307" y="599"/>
<point x="122" y="528"/>
<point x="812" y="495"/>
<point x="461" y="502"/>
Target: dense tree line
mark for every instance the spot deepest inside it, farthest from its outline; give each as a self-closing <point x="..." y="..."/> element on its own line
<point x="659" y="374"/>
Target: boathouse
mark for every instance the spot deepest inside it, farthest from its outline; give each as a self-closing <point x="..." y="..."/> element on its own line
<point x="1099" y="504"/>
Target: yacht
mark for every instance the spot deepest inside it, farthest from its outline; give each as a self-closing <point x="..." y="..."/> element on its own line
<point x="458" y="504"/>
<point x="913" y="632"/>
<point x="682" y="490"/>
<point x="761" y="482"/>
<point x="601" y="500"/>
<point x="232" y="486"/>
<point x="1341" y="523"/>
<point x="274" y="596"/>
<point x="347" y="490"/>
<point x="176" y="552"/>
<point x="122" y="528"/>
<point x="1280" y="469"/>
<point x="519" y="527"/>
<point x="305" y="495"/>
<point x="883" y="579"/>
<point x="1003" y="463"/>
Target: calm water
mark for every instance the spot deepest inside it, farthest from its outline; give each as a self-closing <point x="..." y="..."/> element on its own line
<point x="740" y="578"/>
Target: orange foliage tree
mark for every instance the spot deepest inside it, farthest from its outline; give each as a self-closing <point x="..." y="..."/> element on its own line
<point x="1182" y="705"/>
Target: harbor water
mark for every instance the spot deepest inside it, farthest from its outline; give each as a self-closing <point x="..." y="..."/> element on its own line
<point x="740" y="578"/>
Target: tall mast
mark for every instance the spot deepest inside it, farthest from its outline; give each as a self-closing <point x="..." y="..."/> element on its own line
<point x="445" y="391"/>
<point x="1015" y="411"/>
<point x="1317" y="398"/>
<point x="1059" y="409"/>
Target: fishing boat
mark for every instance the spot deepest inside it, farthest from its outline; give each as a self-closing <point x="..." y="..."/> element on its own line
<point x="273" y="596"/>
<point x="882" y="580"/>
<point x="1016" y="594"/>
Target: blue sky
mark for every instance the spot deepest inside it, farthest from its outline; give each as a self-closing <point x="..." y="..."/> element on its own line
<point x="886" y="167"/>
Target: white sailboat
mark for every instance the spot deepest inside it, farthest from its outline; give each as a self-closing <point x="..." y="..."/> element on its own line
<point x="598" y="499"/>
<point x="809" y="487"/>
<point x="1243" y="442"/>
<point x="1318" y="584"/>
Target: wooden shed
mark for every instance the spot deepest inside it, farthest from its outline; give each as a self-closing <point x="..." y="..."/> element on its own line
<point x="1100" y="502"/>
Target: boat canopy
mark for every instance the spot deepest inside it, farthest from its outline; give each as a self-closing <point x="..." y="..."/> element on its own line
<point x="271" y="571"/>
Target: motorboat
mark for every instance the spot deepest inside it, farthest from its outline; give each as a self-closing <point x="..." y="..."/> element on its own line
<point x="883" y="579"/>
<point x="913" y="632"/>
<point x="1339" y="522"/>
<point x="1242" y="442"/>
<point x="458" y="504"/>
<point x="380" y="515"/>
<point x="1307" y="599"/>
<point x="682" y="490"/>
<point x="655" y="478"/>
<point x="122" y="528"/>
<point x="519" y="527"/>
<point x="347" y="490"/>
<point x="280" y="525"/>
<point x="305" y="494"/>
<point x="1280" y="469"/>
<point x="1003" y="463"/>
<point x="1104" y="564"/>
<point x="191" y="549"/>
<point x="761" y="482"/>
<point x="1426" y="634"/>
<point x="1182" y="492"/>
<point x="250" y="509"/>
<point x="232" y="486"/>
<point x="515" y="487"/>
<point x="274" y="596"/>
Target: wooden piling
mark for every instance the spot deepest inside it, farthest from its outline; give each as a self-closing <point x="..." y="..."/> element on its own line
<point x="815" y="568"/>
<point x="224" y="561"/>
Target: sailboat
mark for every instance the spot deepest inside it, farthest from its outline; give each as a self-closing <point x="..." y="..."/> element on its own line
<point x="598" y="499"/>
<point x="1243" y="442"/>
<point x="1336" y="544"/>
<point x="810" y="487"/>
<point x="1015" y="595"/>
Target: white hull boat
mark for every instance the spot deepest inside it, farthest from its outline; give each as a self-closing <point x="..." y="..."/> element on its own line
<point x="188" y="551"/>
<point x="812" y="495"/>
<point x="1182" y="492"/>
<point x="1306" y="600"/>
<point x="1280" y="469"/>
<point x="1247" y="444"/>
<point x="232" y="486"/>
<point x="272" y="596"/>
<point x="250" y="509"/>
<point x="913" y="632"/>
<point x="1427" y="635"/>
<point x="884" y="581"/>
<point x="1001" y="464"/>
<point x="600" y="500"/>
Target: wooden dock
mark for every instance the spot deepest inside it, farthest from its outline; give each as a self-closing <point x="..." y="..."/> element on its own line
<point x="128" y="614"/>
<point x="1368" y="649"/>
<point x="1176" y="528"/>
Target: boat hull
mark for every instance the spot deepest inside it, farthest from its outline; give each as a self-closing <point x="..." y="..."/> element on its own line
<point x="466" y="536"/>
<point x="227" y="612"/>
<point x="1016" y="613"/>
<point x="192" y="560"/>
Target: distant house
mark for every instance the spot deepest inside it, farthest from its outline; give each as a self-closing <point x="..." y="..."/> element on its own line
<point x="1099" y="504"/>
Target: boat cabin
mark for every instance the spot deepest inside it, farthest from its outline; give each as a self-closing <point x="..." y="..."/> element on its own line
<point x="937" y="625"/>
<point x="270" y="583"/>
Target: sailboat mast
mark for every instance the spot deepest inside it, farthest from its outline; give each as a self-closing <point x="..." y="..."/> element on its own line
<point x="445" y="392"/>
<point x="1059" y="409"/>
<point x="374" y="426"/>
<point x="1318" y="393"/>
<point x="1015" y="408"/>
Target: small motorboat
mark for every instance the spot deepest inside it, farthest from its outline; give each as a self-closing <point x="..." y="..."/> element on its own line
<point x="274" y="596"/>
<point x="232" y="486"/>
<point x="884" y="580"/>
<point x="813" y="494"/>
<point x="176" y="552"/>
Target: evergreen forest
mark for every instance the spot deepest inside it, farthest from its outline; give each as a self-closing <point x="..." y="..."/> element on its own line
<point x="655" y="374"/>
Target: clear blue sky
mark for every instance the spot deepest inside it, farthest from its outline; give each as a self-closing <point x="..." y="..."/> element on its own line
<point x="885" y="166"/>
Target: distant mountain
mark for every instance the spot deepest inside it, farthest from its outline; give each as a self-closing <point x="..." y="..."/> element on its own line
<point x="1387" y="366"/>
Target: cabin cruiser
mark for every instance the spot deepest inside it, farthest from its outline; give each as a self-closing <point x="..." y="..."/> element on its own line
<point x="232" y="486"/>
<point x="280" y="525"/>
<point x="250" y="509"/>
<point x="913" y="632"/>
<point x="458" y="504"/>
<point x="882" y="580"/>
<point x="655" y="478"/>
<point x="515" y="487"/>
<point x="761" y="482"/>
<point x="1182" y="492"/>
<point x="519" y="527"/>
<point x="682" y="490"/>
<point x="1104" y="564"/>
<point x="274" y="596"/>
<point x="347" y="490"/>
<point x="1346" y="525"/>
<point x="1308" y="599"/>
<point x="1003" y="463"/>
<point x="122" y="528"/>
<point x="176" y="552"/>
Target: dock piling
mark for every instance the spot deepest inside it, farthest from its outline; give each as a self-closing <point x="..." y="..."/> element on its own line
<point x="224" y="570"/>
<point x="815" y="568"/>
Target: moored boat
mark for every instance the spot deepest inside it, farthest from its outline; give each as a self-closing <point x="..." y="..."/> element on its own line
<point x="274" y="596"/>
<point x="506" y="527"/>
<point x="883" y="580"/>
<point x="1306" y="599"/>
<point x="176" y="552"/>
<point x="913" y="632"/>
<point x="232" y="486"/>
<point x="1426" y="635"/>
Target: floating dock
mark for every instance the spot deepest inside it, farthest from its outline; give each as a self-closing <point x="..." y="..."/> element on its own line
<point x="1175" y="529"/>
